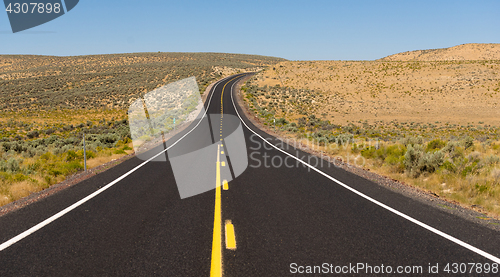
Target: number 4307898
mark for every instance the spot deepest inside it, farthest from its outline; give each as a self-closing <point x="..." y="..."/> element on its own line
<point x="33" y="8"/>
<point x="471" y="268"/>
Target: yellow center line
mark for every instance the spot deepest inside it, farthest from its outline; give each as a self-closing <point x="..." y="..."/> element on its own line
<point x="230" y="237"/>
<point x="225" y="185"/>
<point x="216" y="267"/>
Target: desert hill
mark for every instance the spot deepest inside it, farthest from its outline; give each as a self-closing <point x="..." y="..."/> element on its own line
<point x="471" y="51"/>
<point x="457" y="92"/>
<point x="29" y="82"/>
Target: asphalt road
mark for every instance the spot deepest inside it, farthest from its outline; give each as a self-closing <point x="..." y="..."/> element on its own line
<point x="287" y="218"/>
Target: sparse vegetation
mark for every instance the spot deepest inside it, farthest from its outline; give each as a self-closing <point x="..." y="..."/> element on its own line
<point x="435" y="125"/>
<point x="30" y="165"/>
<point x="47" y="103"/>
<point x="36" y="83"/>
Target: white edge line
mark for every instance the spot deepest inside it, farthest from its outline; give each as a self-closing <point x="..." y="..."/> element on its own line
<point x="421" y="224"/>
<point x="47" y="221"/>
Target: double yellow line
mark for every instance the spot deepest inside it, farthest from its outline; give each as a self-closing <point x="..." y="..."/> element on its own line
<point x="216" y="267"/>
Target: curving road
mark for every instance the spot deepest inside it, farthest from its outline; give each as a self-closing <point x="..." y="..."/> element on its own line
<point x="280" y="217"/>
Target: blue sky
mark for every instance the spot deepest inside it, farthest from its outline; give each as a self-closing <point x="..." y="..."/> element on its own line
<point x="295" y="30"/>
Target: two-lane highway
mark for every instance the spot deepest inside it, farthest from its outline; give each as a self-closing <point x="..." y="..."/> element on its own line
<point x="280" y="217"/>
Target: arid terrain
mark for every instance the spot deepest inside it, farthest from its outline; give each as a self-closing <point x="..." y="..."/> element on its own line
<point x="427" y="118"/>
<point x="107" y="81"/>
<point x="47" y="103"/>
<point x="455" y="92"/>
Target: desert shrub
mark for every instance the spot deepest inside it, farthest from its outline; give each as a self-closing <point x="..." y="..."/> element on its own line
<point x="119" y="151"/>
<point x="413" y="155"/>
<point x="291" y="128"/>
<point x="71" y="167"/>
<point x="71" y="155"/>
<point x="393" y="160"/>
<point x="11" y="165"/>
<point x="57" y="151"/>
<point x="430" y="162"/>
<point x="47" y="156"/>
<point x="373" y="153"/>
<point x="453" y="150"/>
<point x="449" y="166"/>
<point x="55" y="172"/>
<point x="302" y="122"/>
<point x="474" y="156"/>
<point x="435" y="144"/>
<point x="122" y="131"/>
<point x="450" y="147"/>
<point x="49" y="131"/>
<point x="5" y="146"/>
<point x="19" y="177"/>
<point x="30" y="152"/>
<point x="281" y="121"/>
<point x="34" y="166"/>
<point x="18" y="146"/>
<point x="369" y="152"/>
<point x="495" y="146"/>
<point x="470" y="169"/>
<point x="33" y="134"/>
<point x="72" y="141"/>
<point x="395" y="156"/>
<point x="90" y="154"/>
<point x="325" y="125"/>
<point x="492" y="160"/>
<point x="468" y="142"/>
<point x="344" y="139"/>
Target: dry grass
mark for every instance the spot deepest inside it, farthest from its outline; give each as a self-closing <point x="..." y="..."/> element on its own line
<point x="4" y="200"/>
<point x="106" y="156"/>
<point x="457" y="92"/>
<point x="75" y="116"/>
<point x="16" y="185"/>
<point x="22" y="189"/>
<point x="14" y="190"/>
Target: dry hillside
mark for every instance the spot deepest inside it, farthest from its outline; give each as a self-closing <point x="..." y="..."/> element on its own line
<point x="34" y="83"/>
<point x="471" y="51"/>
<point x="458" y="92"/>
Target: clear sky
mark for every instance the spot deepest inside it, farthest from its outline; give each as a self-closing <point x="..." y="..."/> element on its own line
<point x="295" y="30"/>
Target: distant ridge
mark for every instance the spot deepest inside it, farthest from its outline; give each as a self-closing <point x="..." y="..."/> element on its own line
<point x="471" y="51"/>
